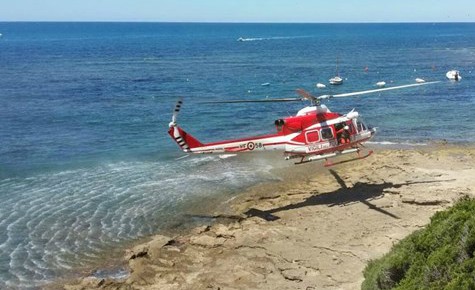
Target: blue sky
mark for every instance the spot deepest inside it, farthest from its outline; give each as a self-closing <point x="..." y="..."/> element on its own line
<point x="239" y="10"/>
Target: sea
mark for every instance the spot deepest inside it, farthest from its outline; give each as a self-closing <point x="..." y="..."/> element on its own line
<point x="87" y="167"/>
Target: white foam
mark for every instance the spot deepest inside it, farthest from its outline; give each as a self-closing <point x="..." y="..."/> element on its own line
<point x="269" y="38"/>
<point x="226" y="156"/>
<point x="389" y="143"/>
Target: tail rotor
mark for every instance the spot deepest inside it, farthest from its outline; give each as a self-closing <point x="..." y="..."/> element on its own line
<point x="178" y="104"/>
<point x="183" y="139"/>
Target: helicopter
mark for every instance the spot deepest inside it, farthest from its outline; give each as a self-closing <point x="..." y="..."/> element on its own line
<point x="314" y="133"/>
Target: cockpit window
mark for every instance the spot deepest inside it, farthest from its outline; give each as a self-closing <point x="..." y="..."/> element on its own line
<point x="361" y="126"/>
<point x="327" y="133"/>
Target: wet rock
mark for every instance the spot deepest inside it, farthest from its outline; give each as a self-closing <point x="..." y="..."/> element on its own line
<point x="137" y="252"/>
<point x="150" y="248"/>
<point x="86" y="283"/>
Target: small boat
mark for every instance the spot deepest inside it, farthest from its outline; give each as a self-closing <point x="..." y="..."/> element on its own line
<point x="419" y="80"/>
<point x="453" y="75"/>
<point x="336" y="80"/>
<point x="242" y="39"/>
<point x="265" y="84"/>
<point x="380" y="84"/>
<point x="320" y="86"/>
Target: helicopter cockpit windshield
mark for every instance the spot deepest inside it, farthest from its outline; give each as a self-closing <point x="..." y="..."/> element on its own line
<point x="360" y="125"/>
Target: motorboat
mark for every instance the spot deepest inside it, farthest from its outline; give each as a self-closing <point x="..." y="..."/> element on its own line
<point x="242" y="39"/>
<point x="419" y="80"/>
<point x="453" y="75"/>
<point x="320" y="86"/>
<point x="380" y="84"/>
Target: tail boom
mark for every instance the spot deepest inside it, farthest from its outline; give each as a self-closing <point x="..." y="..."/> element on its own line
<point x="190" y="144"/>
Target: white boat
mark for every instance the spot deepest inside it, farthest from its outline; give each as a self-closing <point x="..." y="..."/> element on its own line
<point x="320" y="86"/>
<point x="336" y="80"/>
<point x="453" y="75"/>
<point x="419" y="80"/>
<point x="242" y="39"/>
<point x="380" y="84"/>
<point x="265" y="84"/>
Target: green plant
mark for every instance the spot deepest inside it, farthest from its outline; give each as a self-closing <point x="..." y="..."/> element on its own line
<point x="441" y="256"/>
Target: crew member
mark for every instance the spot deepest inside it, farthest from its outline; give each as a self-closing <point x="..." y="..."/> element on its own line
<point x="343" y="135"/>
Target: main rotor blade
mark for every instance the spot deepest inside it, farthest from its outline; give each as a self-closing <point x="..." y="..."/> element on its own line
<point x="381" y="90"/>
<point x="305" y="94"/>
<point x="254" y="101"/>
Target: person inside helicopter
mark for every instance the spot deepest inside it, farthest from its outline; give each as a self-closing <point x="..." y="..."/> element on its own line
<point x="343" y="133"/>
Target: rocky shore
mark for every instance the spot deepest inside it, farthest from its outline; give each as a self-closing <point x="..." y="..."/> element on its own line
<point x="317" y="232"/>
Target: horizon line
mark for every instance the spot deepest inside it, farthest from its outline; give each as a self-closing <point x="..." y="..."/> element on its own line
<point x="235" y="22"/>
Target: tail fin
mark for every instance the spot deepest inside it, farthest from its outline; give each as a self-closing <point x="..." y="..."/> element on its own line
<point x="183" y="139"/>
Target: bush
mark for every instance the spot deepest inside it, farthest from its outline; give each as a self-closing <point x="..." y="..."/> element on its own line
<point x="441" y="256"/>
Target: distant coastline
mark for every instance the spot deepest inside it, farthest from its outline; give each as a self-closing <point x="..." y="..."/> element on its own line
<point x="233" y="22"/>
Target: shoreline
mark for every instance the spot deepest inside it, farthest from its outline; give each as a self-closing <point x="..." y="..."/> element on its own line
<point x="312" y="230"/>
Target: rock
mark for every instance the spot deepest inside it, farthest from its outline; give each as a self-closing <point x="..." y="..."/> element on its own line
<point x="424" y="201"/>
<point x="200" y="230"/>
<point x="148" y="249"/>
<point x="136" y="252"/>
<point x="383" y="203"/>
<point x="407" y="199"/>
<point x="86" y="283"/>
<point x="207" y="241"/>
<point x="157" y="243"/>
<point x="167" y="263"/>
<point x="222" y="231"/>
<point x="293" y="274"/>
<point x="172" y="249"/>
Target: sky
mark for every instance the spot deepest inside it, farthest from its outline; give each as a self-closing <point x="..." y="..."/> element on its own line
<point x="239" y="10"/>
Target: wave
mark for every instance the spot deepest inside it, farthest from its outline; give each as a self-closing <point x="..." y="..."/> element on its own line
<point x="245" y="39"/>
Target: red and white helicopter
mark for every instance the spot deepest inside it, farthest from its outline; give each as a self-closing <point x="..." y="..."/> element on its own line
<point x="314" y="133"/>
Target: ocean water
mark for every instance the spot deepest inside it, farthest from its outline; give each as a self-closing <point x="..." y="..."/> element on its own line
<point x="86" y="165"/>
